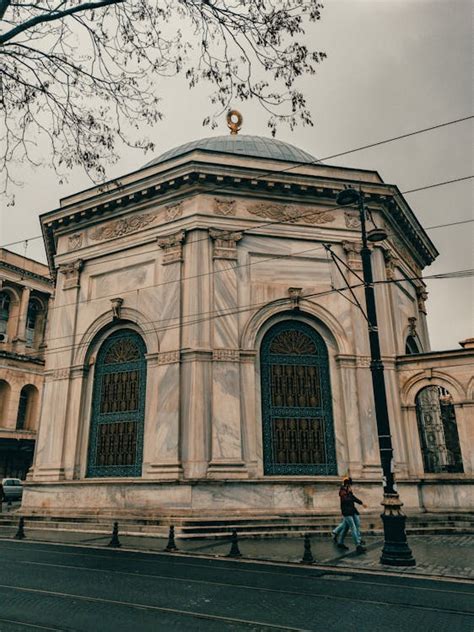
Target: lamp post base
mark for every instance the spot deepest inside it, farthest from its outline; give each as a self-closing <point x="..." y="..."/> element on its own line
<point x="396" y="551"/>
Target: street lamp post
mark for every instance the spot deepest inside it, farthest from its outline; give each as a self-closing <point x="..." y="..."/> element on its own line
<point x="396" y="551"/>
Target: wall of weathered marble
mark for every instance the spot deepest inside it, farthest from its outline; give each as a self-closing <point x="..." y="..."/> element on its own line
<point x="202" y="293"/>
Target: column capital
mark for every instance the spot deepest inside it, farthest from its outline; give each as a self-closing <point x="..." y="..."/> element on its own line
<point x="172" y="245"/>
<point x="225" y="243"/>
<point x="71" y="271"/>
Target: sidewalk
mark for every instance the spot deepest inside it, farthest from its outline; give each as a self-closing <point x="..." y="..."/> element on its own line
<point x="448" y="556"/>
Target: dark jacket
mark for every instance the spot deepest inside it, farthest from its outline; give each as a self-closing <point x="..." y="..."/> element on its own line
<point x="347" y="502"/>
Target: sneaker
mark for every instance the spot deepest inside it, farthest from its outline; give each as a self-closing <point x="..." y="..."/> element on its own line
<point x="334" y="537"/>
<point x="344" y="547"/>
<point x="361" y="549"/>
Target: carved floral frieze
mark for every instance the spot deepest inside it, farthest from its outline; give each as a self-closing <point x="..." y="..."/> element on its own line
<point x="169" y="357"/>
<point x="224" y="207"/>
<point x="75" y="241"/>
<point x="352" y="220"/>
<point x="291" y="213"/>
<point x="173" y="211"/>
<point x="57" y="374"/>
<point x="121" y="227"/>
<point x="226" y="355"/>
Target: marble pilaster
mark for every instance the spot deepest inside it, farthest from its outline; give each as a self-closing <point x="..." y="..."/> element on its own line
<point x="226" y="438"/>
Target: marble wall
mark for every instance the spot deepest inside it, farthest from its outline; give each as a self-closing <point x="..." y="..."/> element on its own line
<point x="202" y="293"/>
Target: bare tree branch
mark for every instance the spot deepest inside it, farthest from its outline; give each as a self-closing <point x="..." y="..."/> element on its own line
<point x="77" y="78"/>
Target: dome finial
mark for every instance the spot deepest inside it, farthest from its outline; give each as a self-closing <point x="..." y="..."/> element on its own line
<point x="234" y="121"/>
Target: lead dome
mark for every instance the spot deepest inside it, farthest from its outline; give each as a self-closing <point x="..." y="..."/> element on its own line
<point x="242" y="145"/>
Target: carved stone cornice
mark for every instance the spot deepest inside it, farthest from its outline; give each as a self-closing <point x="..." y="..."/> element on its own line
<point x="226" y="355"/>
<point x="25" y="273"/>
<point x="225" y="243"/>
<point x="291" y="213"/>
<point x="172" y="246"/>
<point x="72" y="273"/>
<point x="121" y="227"/>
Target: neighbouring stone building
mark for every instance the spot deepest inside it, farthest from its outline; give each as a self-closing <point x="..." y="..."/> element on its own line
<point x="25" y="291"/>
<point x="203" y="356"/>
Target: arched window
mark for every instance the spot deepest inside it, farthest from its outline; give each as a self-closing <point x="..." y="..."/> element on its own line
<point x="438" y="431"/>
<point x="27" y="407"/>
<point x="4" y="315"/>
<point x="118" y="407"/>
<point x="411" y="346"/>
<point x="34" y="309"/>
<point x="298" y="435"/>
<point x="4" y="401"/>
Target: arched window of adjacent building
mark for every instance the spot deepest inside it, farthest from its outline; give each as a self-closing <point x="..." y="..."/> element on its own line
<point x="26" y="416"/>
<point x="412" y="346"/>
<point x="4" y="315"/>
<point x="118" y="407"/>
<point x="34" y="310"/>
<point x="4" y="401"/>
<point x="298" y="433"/>
<point x="438" y="431"/>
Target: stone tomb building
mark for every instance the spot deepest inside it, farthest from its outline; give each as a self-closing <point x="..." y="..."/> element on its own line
<point x="203" y="356"/>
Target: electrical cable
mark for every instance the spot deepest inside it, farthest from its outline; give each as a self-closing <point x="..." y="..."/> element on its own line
<point x="344" y="153"/>
<point x="214" y="314"/>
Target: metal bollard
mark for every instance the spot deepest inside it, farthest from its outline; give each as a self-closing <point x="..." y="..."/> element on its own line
<point x="308" y="555"/>
<point x="115" y="542"/>
<point x="171" y="546"/>
<point x="20" y="534"/>
<point x="234" y="548"/>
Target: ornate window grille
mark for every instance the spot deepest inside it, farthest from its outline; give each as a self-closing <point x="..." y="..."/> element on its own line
<point x="118" y="407"/>
<point x="298" y="432"/>
<point x="438" y="431"/>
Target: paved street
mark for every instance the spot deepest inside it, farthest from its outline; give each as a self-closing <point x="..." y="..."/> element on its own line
<point x="59" y="587"/>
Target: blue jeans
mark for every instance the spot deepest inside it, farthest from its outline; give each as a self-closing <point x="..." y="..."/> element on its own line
<point x="348" y="522"/>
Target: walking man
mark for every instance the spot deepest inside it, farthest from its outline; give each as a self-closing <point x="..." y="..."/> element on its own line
<point x="350" y="517"/>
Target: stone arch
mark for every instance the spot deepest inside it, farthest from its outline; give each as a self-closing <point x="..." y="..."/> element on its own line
<point x="406" y="337"/>
<point x="27" y="408"/>
<point x="438" y="430"/>
<point x="470" y="389"/>
<point x="103" y="326"/>
<point x="13" y="310"/>
<point x="257" y="325"/>
<point x="417" y="382"/>
<point x="5" y="392"/>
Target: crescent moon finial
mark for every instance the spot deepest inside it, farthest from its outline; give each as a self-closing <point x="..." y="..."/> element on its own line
<point x="234" y="121"/>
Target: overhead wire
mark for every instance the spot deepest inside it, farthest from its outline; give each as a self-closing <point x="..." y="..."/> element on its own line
<point x="213" y="314"/>
<point x="330" y="157"/>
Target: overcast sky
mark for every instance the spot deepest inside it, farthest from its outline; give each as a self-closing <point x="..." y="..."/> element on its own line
<point x="393" y="66"/>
